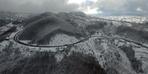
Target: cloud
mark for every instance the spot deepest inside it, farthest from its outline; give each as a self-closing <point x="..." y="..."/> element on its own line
<point x="102" y="7"/>
<point x="123" y="7"/>
<point x="36" y="6"/>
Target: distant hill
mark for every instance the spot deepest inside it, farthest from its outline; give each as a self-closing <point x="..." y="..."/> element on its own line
<point x="12" y="17"/>
<point x="44" y="26"/>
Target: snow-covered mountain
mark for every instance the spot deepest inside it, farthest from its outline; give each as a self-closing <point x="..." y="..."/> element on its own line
<point x="134" y="19"/>
<point x="109" y="47"/>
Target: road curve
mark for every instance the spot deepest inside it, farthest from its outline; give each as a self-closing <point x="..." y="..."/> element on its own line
<point x="44" y="46"/>
<point x="15" y="38"/>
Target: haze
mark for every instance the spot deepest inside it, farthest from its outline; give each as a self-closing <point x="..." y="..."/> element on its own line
<point x="92" y="7"/>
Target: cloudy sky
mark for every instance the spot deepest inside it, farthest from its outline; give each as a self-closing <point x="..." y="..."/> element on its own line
<point x="99" y="7"/>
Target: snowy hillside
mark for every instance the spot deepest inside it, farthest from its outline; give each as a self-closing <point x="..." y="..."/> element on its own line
<point x="93" y="45"/>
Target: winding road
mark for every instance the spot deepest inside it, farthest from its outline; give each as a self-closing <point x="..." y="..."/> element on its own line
<point x="83" y="40"/>
<point x="44" y="46"/>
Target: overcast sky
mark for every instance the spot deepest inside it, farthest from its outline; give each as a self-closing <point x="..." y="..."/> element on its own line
<point x="99" y="7"/>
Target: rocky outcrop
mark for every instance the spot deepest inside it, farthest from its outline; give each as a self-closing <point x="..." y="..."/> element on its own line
<point x="6" y="30"/>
